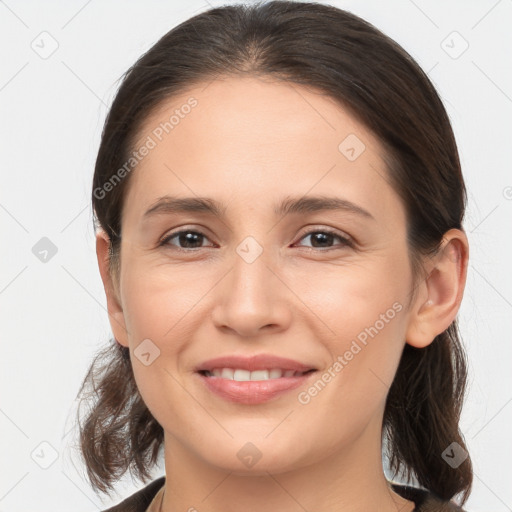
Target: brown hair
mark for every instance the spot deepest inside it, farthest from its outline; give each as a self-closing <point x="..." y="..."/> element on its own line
<point x="351" y="61"/>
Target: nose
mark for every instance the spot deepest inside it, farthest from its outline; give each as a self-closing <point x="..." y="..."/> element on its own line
<point x="251" y="300"/>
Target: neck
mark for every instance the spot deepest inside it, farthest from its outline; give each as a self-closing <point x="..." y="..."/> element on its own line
<point x="350" y="479"/>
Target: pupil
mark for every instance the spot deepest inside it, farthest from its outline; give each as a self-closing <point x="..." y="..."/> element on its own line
<point x="188" y="238"/>
<point x="322" y="236"/>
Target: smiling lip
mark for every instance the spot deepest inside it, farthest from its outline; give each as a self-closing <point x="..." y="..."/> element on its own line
<point x="254" y="391"/>
<point x="257" y="362"/>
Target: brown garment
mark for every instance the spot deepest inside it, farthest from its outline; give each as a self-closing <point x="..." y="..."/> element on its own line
<point x="140" y="501"/>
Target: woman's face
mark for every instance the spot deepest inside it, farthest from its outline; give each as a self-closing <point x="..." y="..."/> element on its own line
<point x="327" y="288"/>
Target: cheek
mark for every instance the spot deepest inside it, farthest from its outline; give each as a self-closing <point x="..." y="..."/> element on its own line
<point x="157" y="300"/>
<point x="362" y="313"/>
<point x="352" y="297"/>
<point x="364" y="355"/>
<point x="157" y="310"/>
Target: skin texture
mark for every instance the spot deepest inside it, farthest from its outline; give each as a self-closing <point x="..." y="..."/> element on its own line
<point x="249" y="143"/>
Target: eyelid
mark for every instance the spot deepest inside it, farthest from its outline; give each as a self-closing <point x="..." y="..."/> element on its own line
<point x="347" y="239"/>
<point x="167" y="236"/>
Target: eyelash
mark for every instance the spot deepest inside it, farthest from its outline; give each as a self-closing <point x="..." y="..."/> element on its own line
<point x="345" y="241"/>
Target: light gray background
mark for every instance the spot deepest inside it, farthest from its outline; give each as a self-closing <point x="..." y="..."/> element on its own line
<point x="53" y="313"/>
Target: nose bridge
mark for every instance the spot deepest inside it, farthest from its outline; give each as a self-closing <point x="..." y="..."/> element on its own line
<point x="250" y="279"/>
<point x="249" y="297"/>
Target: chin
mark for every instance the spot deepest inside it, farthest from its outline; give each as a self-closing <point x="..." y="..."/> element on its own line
<point x="253" y="457"/>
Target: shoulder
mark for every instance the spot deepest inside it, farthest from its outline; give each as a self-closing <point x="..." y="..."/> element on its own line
<point x="424" y="500"/>
<point x="139" y="501"/>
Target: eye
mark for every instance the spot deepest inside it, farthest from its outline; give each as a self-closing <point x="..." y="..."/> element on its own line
<point x="322" y="238"/>
<point x="190" y="239"/>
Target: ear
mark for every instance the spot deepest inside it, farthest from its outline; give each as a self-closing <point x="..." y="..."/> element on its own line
<point x="440" y="294"/>
<point x="115" y="311"/>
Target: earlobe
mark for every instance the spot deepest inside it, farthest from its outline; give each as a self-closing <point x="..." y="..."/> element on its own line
<point x="115" y="311"/>
<point x="441" y="292"/>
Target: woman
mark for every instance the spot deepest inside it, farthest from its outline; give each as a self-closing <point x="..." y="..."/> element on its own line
<point x="279" y="201"/>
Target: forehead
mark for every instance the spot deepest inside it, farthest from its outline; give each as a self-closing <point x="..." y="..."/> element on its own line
<point x="265" y="110"/>
<point x="253" y="139"/>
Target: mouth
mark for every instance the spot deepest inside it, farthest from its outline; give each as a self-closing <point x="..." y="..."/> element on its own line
<point x="253" y="364"/>
<point x="241" y="375"/>
<point x="253" y="380"/>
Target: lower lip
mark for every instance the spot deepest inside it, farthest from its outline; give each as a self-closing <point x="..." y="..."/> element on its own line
<point x="253" y="391"/>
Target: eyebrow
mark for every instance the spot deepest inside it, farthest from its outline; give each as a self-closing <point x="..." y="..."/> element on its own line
<point x="290" y="205"/>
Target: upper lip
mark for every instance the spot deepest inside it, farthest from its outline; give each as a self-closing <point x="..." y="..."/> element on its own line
<point x="252" y="363"/>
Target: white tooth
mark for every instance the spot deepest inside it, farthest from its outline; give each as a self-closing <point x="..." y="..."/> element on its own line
<point x="245" y="375"/>
<point x="227" y="373"/>
<point x="242" y="375"/>
<point x="276" y="373"/>
<point x="259" y="375"/>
